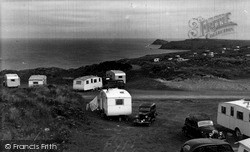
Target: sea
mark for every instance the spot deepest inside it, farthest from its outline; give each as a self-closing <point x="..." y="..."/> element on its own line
<point x="19" y="54"/>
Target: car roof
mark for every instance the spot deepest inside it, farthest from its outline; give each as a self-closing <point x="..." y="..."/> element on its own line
<point x="194" y="143"/>
<point x="146" y="104"/>
<point x="199" y="116"/>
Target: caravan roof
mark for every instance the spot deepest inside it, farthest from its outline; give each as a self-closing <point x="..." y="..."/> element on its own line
<point x="119" y="72"/>
<point x="245" y="142"/>
<point x="86" y="77"/>
<point x="37" y="77"/>
<point x="242" y="103"/>
<point x="11" y="76"/>
<point x="115" y="92"/>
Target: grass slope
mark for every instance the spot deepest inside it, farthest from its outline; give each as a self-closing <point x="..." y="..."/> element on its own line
<point x="41" y="113"/>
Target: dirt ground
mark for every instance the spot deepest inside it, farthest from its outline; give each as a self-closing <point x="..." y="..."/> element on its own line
<point x="163" y="136"/>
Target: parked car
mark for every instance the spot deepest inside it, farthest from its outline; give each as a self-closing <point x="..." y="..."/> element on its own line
<point x="147" y="114"/>
<point x="206" y="145"/>
<point x="200" y="125"/>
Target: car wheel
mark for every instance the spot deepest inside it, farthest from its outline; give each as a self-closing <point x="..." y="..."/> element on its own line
<point x="238" y="134"/>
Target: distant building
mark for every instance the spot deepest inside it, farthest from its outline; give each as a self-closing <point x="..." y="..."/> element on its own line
<point x="211" y="54"/>
<point x="156" y="59"/>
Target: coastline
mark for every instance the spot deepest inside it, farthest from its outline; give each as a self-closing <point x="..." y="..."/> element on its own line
<point x="172" y="66"/>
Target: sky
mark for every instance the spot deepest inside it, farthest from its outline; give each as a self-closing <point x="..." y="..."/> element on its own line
<point x="163" y="19"/>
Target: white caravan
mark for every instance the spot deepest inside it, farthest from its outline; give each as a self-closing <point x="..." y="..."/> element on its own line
<point x="36" y="80"/>
<point x="235" y="115"/>
<point x="113" y="102"/>
<point x="11" y="80"/>
<point x="116" y="75"/>
<point x="87" y="83"/>
<point x="244" y="145"/>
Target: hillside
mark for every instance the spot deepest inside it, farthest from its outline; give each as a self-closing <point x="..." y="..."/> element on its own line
<point x="192" y="44"/>
<point x="41" y="113"/>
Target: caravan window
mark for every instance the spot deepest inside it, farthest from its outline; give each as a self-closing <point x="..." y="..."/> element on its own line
<point x="119" y="76"/>
<point x="87" y="82"/>
<point x="95" y="80"/>
<point x="232" y="111"/>
<point x="99" y="79"/>
<point x="35" y="82"/>
<point x="119" y="101"/>
<point x="223" y="110"/>
<point x="249" y="117"/>
<point x="12" y="80"/>
<point x="239" y="115"/>
<point x="78" y="82"/>
<point x="91" y="80"/>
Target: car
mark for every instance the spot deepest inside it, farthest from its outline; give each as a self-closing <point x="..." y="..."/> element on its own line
<point x="147" y="114"/>
<point x="206" y="145"/>
<point x="199" y="125"/>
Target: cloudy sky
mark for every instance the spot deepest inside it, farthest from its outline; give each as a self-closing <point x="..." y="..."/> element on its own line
<point x="115" y="18"/>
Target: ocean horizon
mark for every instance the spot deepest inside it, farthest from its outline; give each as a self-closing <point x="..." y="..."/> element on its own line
<point x="20" y="54"/>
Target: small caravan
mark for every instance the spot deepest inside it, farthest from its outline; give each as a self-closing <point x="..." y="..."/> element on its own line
<point x="244" y="145"/>
<point x="11" y="80"/>
<point x="116" y="75"/>
<point x="87" y="83"/>
<point x="235" y="115"/>
<point x="113" y="102"/>
<point x="36" y="80"/>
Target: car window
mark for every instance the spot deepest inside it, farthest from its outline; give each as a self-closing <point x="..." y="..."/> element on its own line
<point x="200" y="149"/>
<point x="224" y="148"/>
<point x="205" y="123"/>
<point x="144" y="109"/>
<point x="214" y="148"/>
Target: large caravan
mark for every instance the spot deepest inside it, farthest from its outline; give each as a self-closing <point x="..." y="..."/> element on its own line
<point x="11" y="80"/>
<point x="87" y="83"/>
<point x="235" y="115"/>
<point x="116" y="75"/>
<point x="113" y="102"/>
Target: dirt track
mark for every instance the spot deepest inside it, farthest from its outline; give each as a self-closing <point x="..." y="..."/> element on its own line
<point x="164" y="135"/>
<point x="159" y="94"/>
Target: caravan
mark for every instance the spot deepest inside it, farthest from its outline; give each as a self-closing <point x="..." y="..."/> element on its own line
<point x="11" y="80"/>
<point x="116" y="75"/>
<point x="87" y="83"/>
<point x="37" y="80"/>
<point x="113" y="102"/>
<point x="235" y="115"/>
